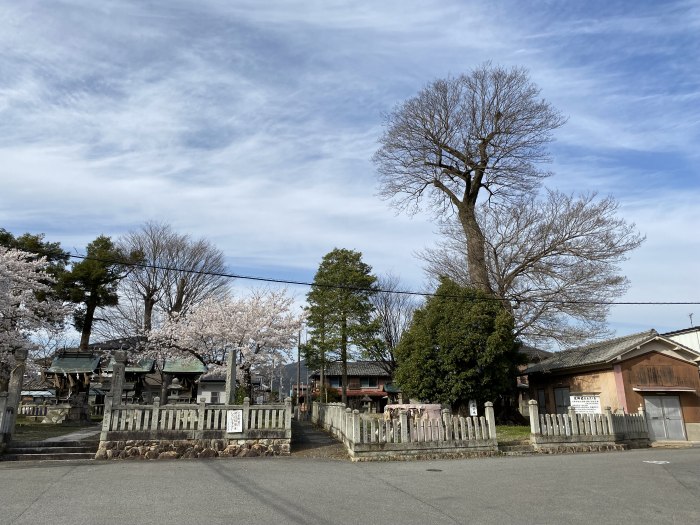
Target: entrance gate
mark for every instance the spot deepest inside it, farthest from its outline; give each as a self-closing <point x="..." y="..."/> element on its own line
<point x="664" y="418"/>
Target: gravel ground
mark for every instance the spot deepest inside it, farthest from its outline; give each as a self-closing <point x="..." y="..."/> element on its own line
<point x="310" y="442"/>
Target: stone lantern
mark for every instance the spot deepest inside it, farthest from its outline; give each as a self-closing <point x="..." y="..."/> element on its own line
<point x="174" y="389"/>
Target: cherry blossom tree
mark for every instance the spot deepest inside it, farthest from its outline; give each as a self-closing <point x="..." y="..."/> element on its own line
<point x="257" y="328"/>
<point x="25" y="304"/>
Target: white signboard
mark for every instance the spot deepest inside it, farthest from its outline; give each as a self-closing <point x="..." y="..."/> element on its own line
<point x="473" y="410"/>
<point x="234" y="421"/>
<point x="585" y="404"/>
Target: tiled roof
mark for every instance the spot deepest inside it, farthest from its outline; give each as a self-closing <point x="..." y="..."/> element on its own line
<point x="357" y="368"/>
<point x="73" y="362"/>
<point x="142" y="366"/>
<point x="592" y="354"/>
<point x="534" y="355"/>
<point x="184" y="366"/>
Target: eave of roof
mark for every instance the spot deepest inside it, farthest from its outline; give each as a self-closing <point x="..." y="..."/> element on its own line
<point x="592" y="354"/>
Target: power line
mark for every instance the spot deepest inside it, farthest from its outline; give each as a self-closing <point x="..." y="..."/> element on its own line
<point x="370" y="290"/>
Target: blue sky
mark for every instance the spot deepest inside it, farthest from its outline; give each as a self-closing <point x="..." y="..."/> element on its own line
<point x="253" y="123"/>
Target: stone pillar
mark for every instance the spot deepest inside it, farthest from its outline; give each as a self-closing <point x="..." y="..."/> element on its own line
<point x="3" y="418"/>
<point x="230" y="395"/>
<point x="490" y="419"/>
<point x="403" y="422"/>
<point x="347" y="425"/>
<point x="356" y="427"/>
<point x="14" y="392"/>
<point x="609" y="417"/>
<point x="534" y="417"/>
<point x="447" y="421"/>
<point x="574" y="421"/>
<point x="118" y="377"/>
<point x="287" y="414"/>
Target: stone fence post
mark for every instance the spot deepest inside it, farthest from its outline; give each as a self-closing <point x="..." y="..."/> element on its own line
<point x="118" y="372"/>
<point x="356" y="427"/>
<point x="611" y="424"/>
<point x="287" y="414"/>
<point x="571" y="411"/>
<point x="447" y="421"/>
<point x="3" y="418"/>
<point x="534" y="417"/>
<point x="14" y="392"/>
<point x="403" y="422"/>
<point x="490" y="419"/>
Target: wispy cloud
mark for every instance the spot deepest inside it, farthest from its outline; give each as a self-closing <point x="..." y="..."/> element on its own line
<point x="253" y="123"/>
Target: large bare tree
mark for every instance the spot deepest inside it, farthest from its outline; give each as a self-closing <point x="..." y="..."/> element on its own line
<point x="481" y="134"/>
<point x="177" y="273"/>
<point x="556" y="260"/>
<point x="393" y="312"/>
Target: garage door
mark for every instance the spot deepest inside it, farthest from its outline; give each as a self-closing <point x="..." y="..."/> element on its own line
<point x="664" y="418"/>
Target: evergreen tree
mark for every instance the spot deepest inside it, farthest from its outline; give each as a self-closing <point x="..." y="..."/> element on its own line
<point x="339" y="311"/>
<point x="92" y="283"/>
<point x="460" y="346"/>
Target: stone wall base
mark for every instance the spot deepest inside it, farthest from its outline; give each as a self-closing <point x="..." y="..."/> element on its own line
<point x="192" y="448"/>
<point x="571" y="448"/>
<point x="420" y="455"/>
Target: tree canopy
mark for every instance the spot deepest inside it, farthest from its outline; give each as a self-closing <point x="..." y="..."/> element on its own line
<point x="461" y="137"/>
<point x="339" y="311"/>
<point x="460" y="346"/>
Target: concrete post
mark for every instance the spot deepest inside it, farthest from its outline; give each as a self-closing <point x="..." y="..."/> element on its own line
<point x="246" y="413"/>
<point x="403" y="422"/>
<point x="574" y="421"/>
<point x="347" y="425"/>
<point x="287" y="414"/>
<point x="118" y="377"/>
<point x="3" y="417"/>
<point x="609" y="417"/>
<point x="534" y="417"/>
<point x="356" y="427"/>
<point x="490" y="419"/>
<point x="447" y="421"/>
<point x="14" y="392"/>
<point x="200" y="419"/>
<point x="230" y="393"/>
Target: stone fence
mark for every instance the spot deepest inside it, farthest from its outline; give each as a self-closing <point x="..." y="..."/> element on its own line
<point x="370" y="437"/>
<point x="586" y="431"/>
<point x="195" y="430"/>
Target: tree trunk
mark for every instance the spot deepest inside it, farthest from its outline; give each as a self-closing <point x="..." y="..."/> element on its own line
<point x="344" y="358"/>
<point x="476" y="248"/>
<point x="148" y="304"/>
<point x="90" y="307"/>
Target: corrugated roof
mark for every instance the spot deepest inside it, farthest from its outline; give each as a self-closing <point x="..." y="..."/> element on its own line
<point x="357" y="368"/>
<point x="592" y="354"/>
<point x="184" y="366"/>
<point x="74" y="362"/>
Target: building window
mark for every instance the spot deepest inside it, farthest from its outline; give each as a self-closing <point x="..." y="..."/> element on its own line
<point x="541" y="401"/>
<point x="368" y="382"/>
<point x="214" y="398"/>
<point x="334" y="381"/>
<point x="561" y="398"/>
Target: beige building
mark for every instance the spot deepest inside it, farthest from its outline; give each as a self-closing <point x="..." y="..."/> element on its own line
<point x="645" y="369"/>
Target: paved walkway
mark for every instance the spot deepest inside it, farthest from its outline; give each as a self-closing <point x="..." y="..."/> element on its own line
<point x="308" y="441"/>
<point x="91" y="432"/>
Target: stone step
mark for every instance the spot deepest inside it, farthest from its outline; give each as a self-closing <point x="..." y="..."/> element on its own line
<point x="49" y="456"/>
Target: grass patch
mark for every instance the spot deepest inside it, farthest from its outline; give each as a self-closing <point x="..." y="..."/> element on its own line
<point x="30" y="430"/>
<point x="509" y="433"/>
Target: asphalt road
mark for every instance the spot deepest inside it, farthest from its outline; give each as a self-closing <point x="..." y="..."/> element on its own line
<point x="619" y="487"/>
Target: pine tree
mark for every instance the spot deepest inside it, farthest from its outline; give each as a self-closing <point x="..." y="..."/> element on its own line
<point x="339" y="313"/>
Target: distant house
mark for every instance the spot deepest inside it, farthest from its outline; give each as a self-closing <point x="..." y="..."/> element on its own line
<point x="366" y="381"/>
<point x="643" y="369"/>
<point x="532" y="356"/>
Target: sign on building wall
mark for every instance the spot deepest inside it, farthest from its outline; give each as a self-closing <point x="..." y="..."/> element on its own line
<point x="234" y="421"/>
<point x="585" y="403"/>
